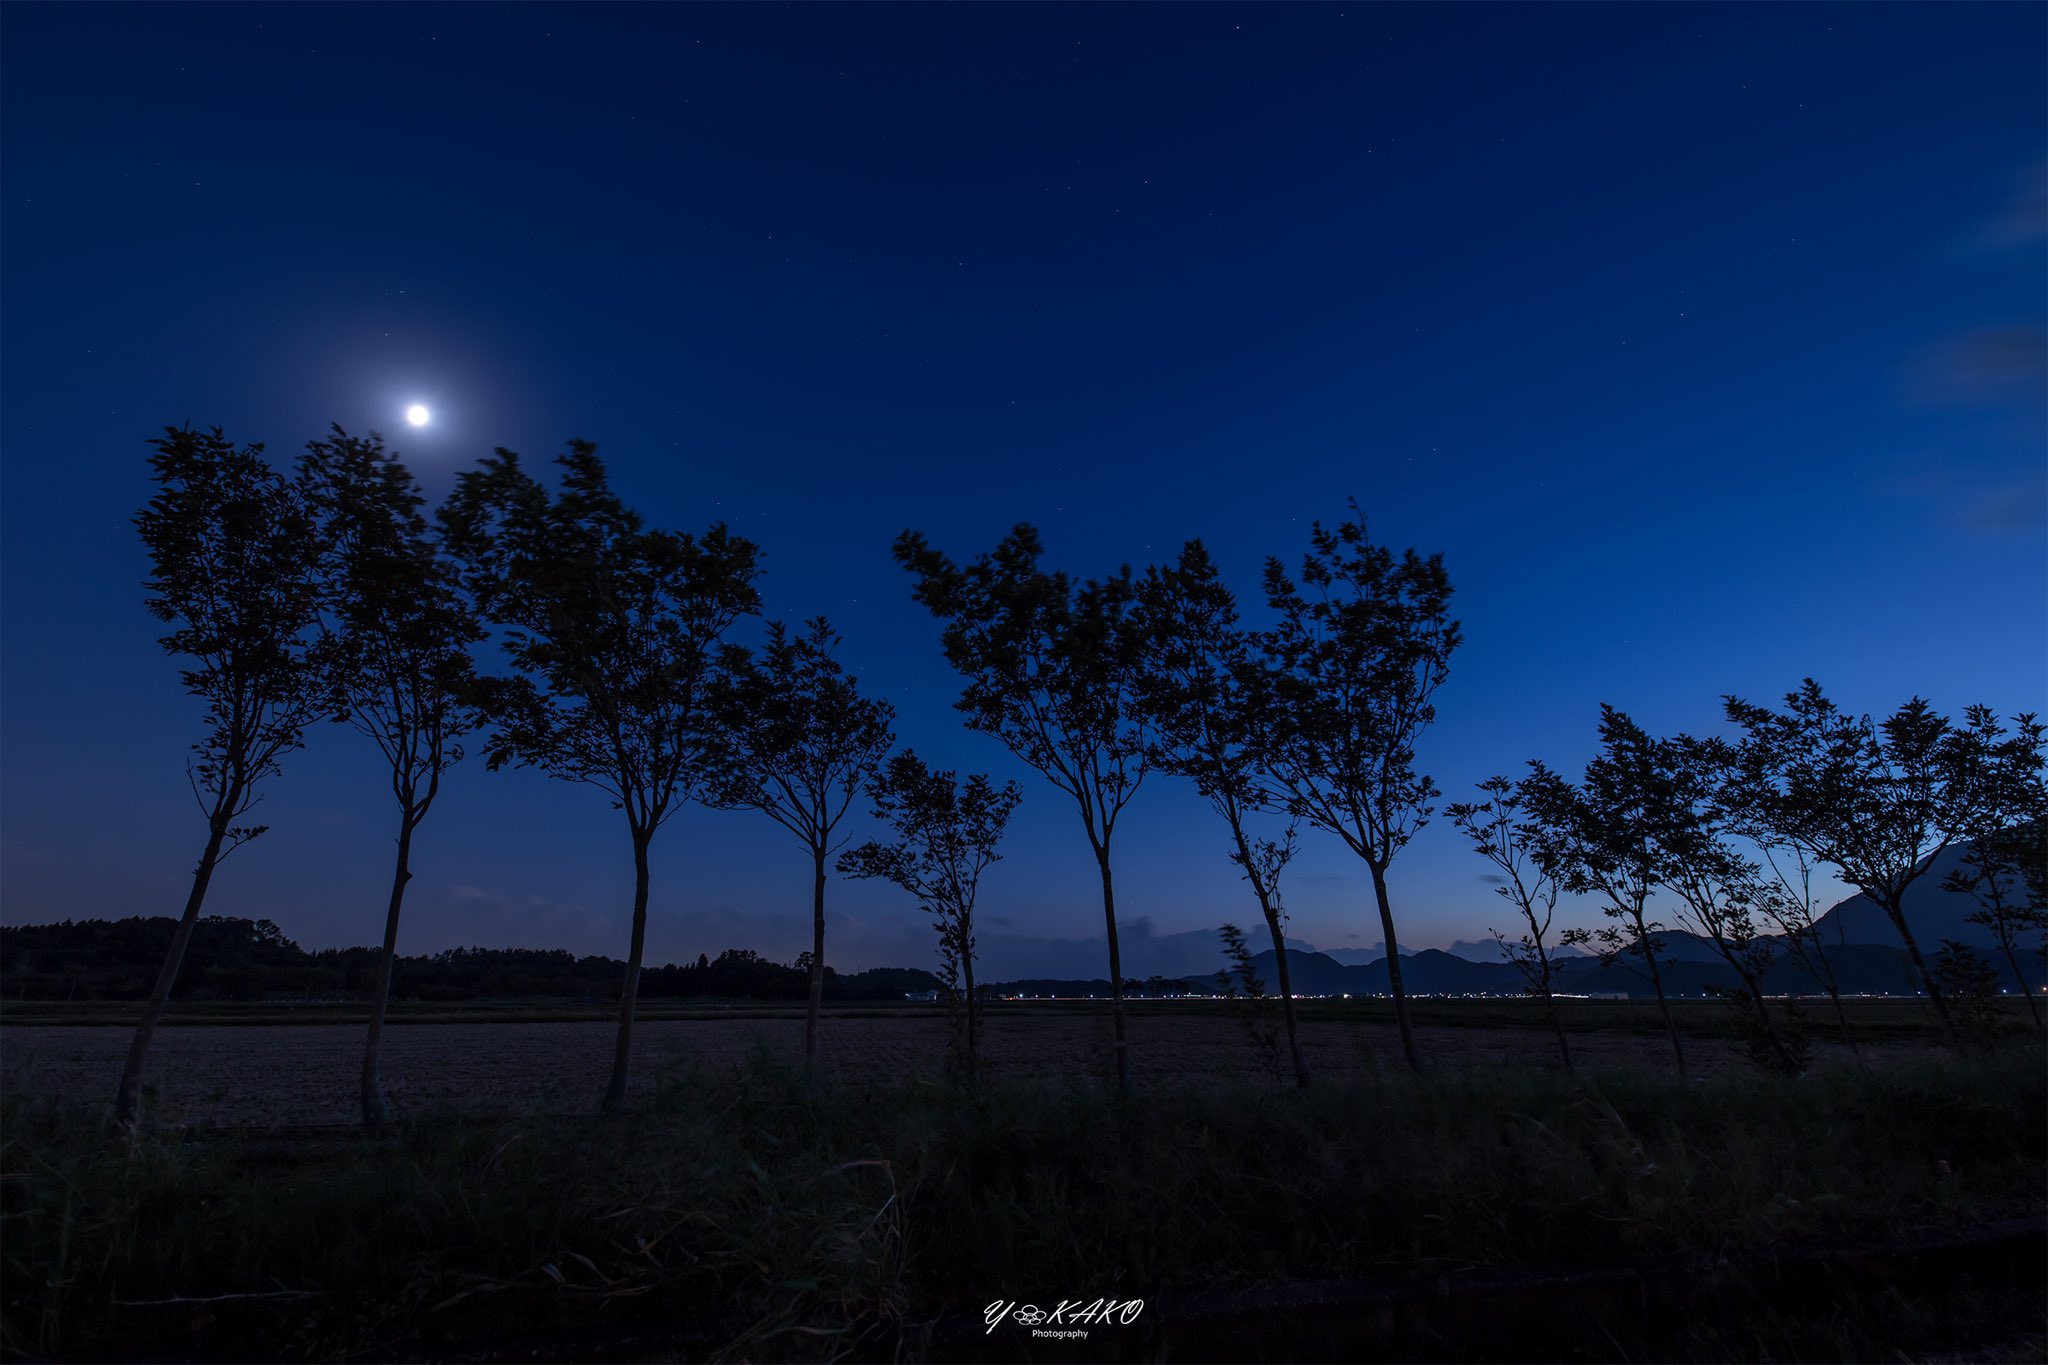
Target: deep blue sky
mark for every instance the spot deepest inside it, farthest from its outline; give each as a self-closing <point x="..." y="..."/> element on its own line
<point x="1705" y="343"/>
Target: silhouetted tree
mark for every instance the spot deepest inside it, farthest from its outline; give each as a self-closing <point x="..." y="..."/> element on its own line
<point x="1053" y="670"/>
<point x="395" y="660"/>
<point x="1209" y="700"/>
<point x="946" y="833"/>
<point x="614" y="630"/>
<point x="797" y="742"/>
<point x="2007" y="873"/>
<point x="233" y="557"/>
<point x="1878" y="801"/>
<point x="1786" y="899"/>
<point x="1719" y="890"/>
<point x="1363" y="642"/>
<point x="1606" y="833"/>
<point x="1529" y="860"/>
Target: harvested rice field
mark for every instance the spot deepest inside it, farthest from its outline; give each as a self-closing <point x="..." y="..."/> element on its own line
<point x="306" y="1074"/>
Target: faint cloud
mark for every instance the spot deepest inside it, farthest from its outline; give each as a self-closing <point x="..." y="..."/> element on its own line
<point x="1988" y="367"/>
<point x="1492" y="878"/>
<point x="2022" y="220"/>
<point x="465" y="914"/>
<point x="1977" y="496"/>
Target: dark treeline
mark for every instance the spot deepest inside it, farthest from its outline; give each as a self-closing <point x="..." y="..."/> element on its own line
<point x="240" y="960"/>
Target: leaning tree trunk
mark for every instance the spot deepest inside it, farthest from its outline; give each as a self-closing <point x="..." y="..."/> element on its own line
<point x="1786" y="1060"/>
<point x="145" y="1028"/>
<point x="622" y="1051"/>
<point x="1834" y="990"/>
<point x="1648" y="952"/>
<point x="1116" y="973"/>
<point x="973" y="1009"/>
<point x="2012" y="956"/>
<point x="817" y="962"/>
<point x="1753" y="987"/>
<point x="1564" y="1047"/>
<point x="1897" y="910"/>
<point x="1272" y="914"/>
<point x="1407" y="1026"/>
<point x="375" y="1112"/>
<point x="1286" y="991"/>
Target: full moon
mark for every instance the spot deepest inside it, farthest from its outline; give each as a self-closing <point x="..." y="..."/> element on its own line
<point x="417" y="414"/>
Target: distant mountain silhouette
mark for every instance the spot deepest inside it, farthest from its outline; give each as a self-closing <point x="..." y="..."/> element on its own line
<point x="1195" y="952"/>
<point x="1933" y="913"/>
<point x="1691" y="968"/>
<point x="1490" y="950"/>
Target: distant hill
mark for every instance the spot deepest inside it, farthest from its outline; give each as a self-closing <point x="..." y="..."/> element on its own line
<point x="1933" y="913"/>
<point x="1691" y="968"/>
<point x="239" y="959"/>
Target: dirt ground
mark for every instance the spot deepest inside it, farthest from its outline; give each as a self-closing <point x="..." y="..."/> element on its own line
<point x="285" y="1074"/>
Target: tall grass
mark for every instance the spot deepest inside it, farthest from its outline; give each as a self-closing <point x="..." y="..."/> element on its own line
<point x="748" y="1220"/>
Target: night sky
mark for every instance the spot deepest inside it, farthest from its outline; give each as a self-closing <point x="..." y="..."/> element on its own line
<point x="1705" y="343"/>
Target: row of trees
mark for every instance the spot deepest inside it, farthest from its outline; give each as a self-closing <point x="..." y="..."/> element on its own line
<point x="1727" y="836"/>
<point x="331" y="594"/>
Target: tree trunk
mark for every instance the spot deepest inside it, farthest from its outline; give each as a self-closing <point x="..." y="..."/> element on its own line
<point x="1649" y="956"/>
<point x="1286" y="990"/>
<point x="1822" y="970"/>
<point x="1407" y="1027"/>
<point x="1116" y="974"/>
<point x="1841" y="1016"/>
<point x="622" y="1052"/>
<point x="375" y="1112"/>
<point x="1564" y="1047"/>
<point x="145" y="1028"/>
<point x="1272" y="914"/>
<point x="817" y="962"/>
<point x="973" y="1014"/>
<point x="1786" y="1060"/>
<point x="1897" y="911"/>
<point x="2012" y="956"/>
<point x="1753" y="987"/>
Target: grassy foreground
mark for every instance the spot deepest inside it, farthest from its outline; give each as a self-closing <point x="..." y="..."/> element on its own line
<point x="735" y="1218"/>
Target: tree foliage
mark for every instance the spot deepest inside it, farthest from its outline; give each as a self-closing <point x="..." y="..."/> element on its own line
<point x="394" y="657"/>
<point x="2006" y="872"/>
<point x="233" y="557"/>
<point x="1879" y="800"/>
